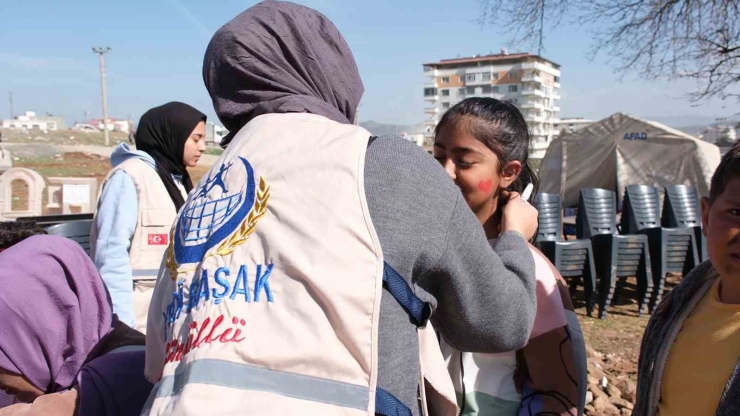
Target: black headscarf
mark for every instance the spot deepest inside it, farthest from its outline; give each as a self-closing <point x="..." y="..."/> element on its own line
<point x="162" y="133"/>
<point x="279" y="57"/>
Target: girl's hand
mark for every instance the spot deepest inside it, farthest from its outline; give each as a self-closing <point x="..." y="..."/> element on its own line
<point x="518" y="215"/>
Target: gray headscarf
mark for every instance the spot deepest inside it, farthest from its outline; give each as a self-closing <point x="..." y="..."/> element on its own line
<point x="279" y="57"/>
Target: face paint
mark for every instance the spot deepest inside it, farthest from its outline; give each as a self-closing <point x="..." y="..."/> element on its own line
<point x="485" y="186"/>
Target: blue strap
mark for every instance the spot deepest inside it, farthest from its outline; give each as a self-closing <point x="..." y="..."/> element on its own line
<point x="397" y="286"/>
<point x="387" y="404"/>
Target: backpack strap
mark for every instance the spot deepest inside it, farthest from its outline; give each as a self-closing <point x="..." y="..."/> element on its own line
<point x="419" y="310"/>
<point x="385" y="403"/>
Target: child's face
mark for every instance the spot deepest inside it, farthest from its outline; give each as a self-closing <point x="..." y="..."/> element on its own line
<point x="474" y="168"/>
<point x="721" y="222"/>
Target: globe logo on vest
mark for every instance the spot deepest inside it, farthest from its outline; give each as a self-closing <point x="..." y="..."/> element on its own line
<point x="217" y="218"/>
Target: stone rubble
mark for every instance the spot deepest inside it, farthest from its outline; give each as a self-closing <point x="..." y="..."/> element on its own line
<point x="611" y="384"/>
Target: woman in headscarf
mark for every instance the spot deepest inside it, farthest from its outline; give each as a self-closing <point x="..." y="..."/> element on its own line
<point x="139" y="201"/>
<point x="274" y="301"/>
<point x="62" y="351"/>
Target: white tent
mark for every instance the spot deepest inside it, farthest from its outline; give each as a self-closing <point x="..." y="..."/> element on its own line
<point x="624" y="150"/>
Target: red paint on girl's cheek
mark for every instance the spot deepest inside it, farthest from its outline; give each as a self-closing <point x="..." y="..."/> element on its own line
<point x="485" y="186"/>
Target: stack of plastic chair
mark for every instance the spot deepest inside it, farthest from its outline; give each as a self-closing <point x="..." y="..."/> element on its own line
<point x="682" y="209"/>
<point x="78" y="231"/>
<point x="672" y="250"/>
<point x="573" y="258"/>
<point x="617" y="256"/>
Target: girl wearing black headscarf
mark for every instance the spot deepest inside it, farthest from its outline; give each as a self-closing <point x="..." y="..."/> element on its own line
<point x="139" y="202"/>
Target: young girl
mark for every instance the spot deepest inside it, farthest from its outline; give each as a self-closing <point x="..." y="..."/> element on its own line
<point x="483" y="145"/>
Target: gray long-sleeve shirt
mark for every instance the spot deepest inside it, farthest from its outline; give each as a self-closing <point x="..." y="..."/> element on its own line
<point x="484" y="299"/>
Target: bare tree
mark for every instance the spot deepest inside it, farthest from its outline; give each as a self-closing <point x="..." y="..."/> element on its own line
<point x="658" y="39"/>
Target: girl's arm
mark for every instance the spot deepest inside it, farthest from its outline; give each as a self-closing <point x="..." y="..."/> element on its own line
<point x="486" y="298"/>
<point x="116" y="222"/>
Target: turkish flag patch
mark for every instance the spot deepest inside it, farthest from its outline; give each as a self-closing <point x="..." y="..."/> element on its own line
<point x="157" y="239"/>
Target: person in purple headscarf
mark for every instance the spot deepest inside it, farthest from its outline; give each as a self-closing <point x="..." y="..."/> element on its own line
<point x="62" y="351"/>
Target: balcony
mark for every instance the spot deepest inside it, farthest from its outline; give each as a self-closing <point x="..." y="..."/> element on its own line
<point x="556" y="96"/>
<point x="431" y="110"/>
<point x="532" y="105"/>
<point x="431" y="73"/>
<point x="431" y="85"/>
<point x="538" y="93"/>
<point x="431" y="97"/>
<point x="534" y="119"/>
<point x="539" y="66"/>
<point x="555" y="109"/>
<point x="533" y="78"/>
<point x="556" y="85"/>
<point x="538" y="149"/>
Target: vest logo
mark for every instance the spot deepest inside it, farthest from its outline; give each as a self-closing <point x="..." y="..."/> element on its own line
<point x="216" y="219"/>
<point x="157" y="239"/>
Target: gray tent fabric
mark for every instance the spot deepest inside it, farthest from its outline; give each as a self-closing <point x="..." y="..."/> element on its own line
<point x="625" y="150"/>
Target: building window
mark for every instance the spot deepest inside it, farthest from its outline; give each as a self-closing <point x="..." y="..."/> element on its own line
<point x="486" y="77"/>
<point x="461" y="91"/>
<point x="514" y="74"/>
<point x="495" y="77"/>
<point x="470" y="77"/>
<point x="513" y="88"/>
<point x="445" y="80"/>
<point x="430" y="92"/>
<point x="495" y="89"/>
<point x="486" y="89"/>
<point x="470" y="91"/>
<point x="557" y="79"/>
<point x="445" y="106"/>
<point x="445" y="93"/>
<point x="428" y="68"/>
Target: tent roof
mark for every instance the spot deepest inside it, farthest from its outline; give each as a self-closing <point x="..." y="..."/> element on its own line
<point x="602" y="155"/>
<point x="578" y="134"/>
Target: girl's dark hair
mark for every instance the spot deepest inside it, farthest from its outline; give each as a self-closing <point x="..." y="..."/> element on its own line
<point x="502" y="128"/>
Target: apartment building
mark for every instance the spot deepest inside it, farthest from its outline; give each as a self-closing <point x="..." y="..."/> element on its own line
<point x="529" y="81"/>
<point x="569" y="125"/>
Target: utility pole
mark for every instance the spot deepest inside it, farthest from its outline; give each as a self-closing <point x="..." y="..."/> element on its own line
<point x="10" y="97"/>
<point x="101" y="52"/>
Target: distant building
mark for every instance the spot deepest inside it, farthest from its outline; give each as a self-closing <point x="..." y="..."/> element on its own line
<point x="417" y="138"/>
<point x="114" y="124"/>
<point x="529" y="81"/>
<point x="569" y="125"/>
<point x="214" y="133"/>
<point x="719" y="133"/>
<point x="29" y="121"/>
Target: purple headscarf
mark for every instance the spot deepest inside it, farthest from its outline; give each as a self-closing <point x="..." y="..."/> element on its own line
<point x="53" y="310"/>
<point x="279" y="57"/>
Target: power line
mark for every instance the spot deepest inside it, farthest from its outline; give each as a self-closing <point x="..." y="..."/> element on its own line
<point x="101" y="52"/>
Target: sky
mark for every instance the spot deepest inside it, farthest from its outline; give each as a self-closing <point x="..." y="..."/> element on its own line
<point x="47" y="62"/>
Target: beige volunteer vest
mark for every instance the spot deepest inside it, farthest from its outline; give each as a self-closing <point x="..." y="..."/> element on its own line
<point x="269" y="300"/>
<point x="151" y="237"/>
